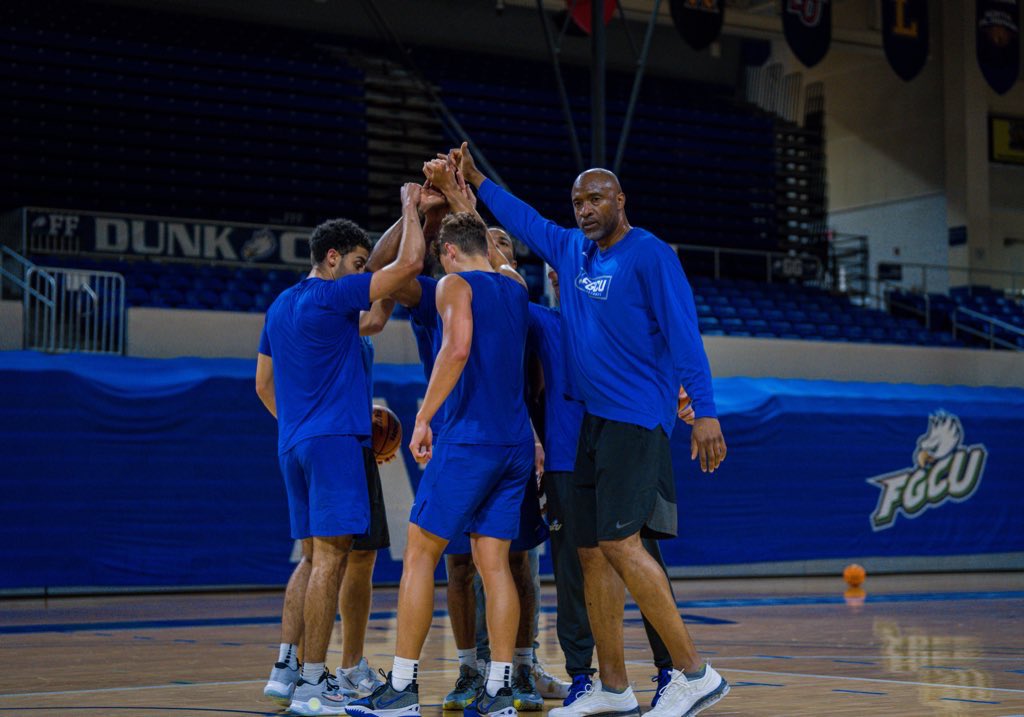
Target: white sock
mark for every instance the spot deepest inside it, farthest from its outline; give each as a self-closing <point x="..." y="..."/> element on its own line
<point x="467" y="657"/>
<point x="403" y="673"/>
<point x="500" y="676"/>
<point x="287" y="655"/>
<point x="347" y="671"/>
<point x="311" y="671"/>
<point x="523" y="656"/>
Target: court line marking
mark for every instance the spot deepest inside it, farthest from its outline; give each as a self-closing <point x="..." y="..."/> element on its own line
<point x="875" y="679"/>
<point x="128" y="689"/>
<point x="630" y="607"/>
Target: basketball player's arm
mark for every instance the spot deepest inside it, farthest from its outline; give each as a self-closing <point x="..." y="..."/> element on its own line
<point x="521" y="220"/>
<point x="372" y="322"/>
<point x="265" y="382"/>
<point x="431" y="209"/>
<point x="411" y="249"/>
<point x="454" y="304"/>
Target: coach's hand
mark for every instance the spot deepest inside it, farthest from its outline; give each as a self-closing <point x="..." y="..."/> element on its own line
<point x="467" y="166"/>
<point x="422" y="443"/>
<point x="706" y="441"/>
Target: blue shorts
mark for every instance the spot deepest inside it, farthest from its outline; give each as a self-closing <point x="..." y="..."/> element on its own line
<point x="326" y="482"/>
<point x="473" y="489"/>
<point x="533" y="529"/>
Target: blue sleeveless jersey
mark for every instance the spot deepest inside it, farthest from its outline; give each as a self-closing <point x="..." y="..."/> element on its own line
<point x="486" y="406"/>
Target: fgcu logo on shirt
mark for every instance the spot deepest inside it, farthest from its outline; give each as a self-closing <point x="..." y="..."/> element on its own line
<point x="943" y="470"/>
<point x="594" y="287"/>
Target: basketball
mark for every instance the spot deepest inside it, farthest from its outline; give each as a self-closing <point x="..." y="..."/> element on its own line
<point x="387" y="434"/>
<point x="854" y="575"/>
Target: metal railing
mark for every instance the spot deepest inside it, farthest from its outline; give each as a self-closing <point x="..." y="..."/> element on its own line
<point x="778" y="265"/>
<point x="989" y="334"/>
<point x="940" y="278"/>
<point x="41" y="326"/>
<point x="74" y="310"/>
<point x="67" y="309"/>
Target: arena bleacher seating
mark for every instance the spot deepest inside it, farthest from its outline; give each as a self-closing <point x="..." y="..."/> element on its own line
<point x="937" y="311"/>
<point x="114" y="111"/>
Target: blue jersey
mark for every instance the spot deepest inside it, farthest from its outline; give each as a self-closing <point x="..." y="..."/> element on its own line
<point x="368" y="351"/>
<point x="562" y="416"/>
<point x="320" y="381"/>
<point x="487" y="405"/>
<point x="630" y="318"/>
<point x="426" y="324"/>
<point x="426" y="328"/>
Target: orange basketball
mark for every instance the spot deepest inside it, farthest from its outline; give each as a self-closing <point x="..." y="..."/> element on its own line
<point x="854" y="575"/>
<point x="387" y="433"/>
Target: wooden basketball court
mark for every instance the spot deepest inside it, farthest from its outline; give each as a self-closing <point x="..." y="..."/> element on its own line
<point x="918" y="645"/>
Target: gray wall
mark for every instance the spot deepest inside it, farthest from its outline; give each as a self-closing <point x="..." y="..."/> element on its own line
<point x="162" y="333"/>
<point x="10" y="325"/>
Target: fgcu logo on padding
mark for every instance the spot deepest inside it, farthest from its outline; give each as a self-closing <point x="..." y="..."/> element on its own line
<point x="944" y="470"/>
<point x="596" y="287"/>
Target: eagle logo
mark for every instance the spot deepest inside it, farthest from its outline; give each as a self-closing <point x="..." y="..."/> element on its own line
<point x="942" y="469"/>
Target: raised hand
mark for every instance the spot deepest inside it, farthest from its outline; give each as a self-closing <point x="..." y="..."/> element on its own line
<point x="441" y="176"/>
<point x="411" y="195"/>
<point x="430" y="199"/>
<point x="467" y="167"/>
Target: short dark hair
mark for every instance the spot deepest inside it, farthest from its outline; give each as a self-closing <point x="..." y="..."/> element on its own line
<point x="466" y="231"/>
<point x="341" y="235"/>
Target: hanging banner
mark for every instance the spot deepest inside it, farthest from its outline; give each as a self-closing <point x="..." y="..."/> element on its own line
<point x="698" y="21"/>
<point x="998" y="40"/>
<point x="581" y="12"/>
<point x="808" y="28"/>
<point x="905" y="35"/>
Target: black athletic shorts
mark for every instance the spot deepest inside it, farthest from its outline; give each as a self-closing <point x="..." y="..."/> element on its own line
<point x="623" y="483"/>
<point x="378" y="537"/>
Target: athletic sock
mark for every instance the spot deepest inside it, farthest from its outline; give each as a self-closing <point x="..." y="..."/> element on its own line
<point x="403" y="673"/>
<point x="311" y="671"/>
<point x="500" y="676"/>
<point x="287" y="655"/>
<point x="698" y="674"/>
<point x="523" y="656"/>
<point x="348" y="671"/>
<point x="467" y="658"/>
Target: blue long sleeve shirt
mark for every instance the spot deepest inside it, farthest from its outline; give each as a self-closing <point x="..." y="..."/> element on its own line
<point x="629" y="316"/>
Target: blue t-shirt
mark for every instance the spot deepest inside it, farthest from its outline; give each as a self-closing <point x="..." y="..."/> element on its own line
<point x="320" y="381"/>
<point x="630" y="318"/>
<point x="562" y="415"/>
<point x="487" y="405"/>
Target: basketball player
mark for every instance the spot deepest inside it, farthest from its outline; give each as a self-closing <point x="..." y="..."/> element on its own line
<point x="355" y="676"/>
<point x="463" y="607"/>
<point x="310" y="353"/>
<point x="477" y="472"/>
<point x="563" y="418"/>
<point x="531" y="683"/>
<point x="632" y="339"/>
